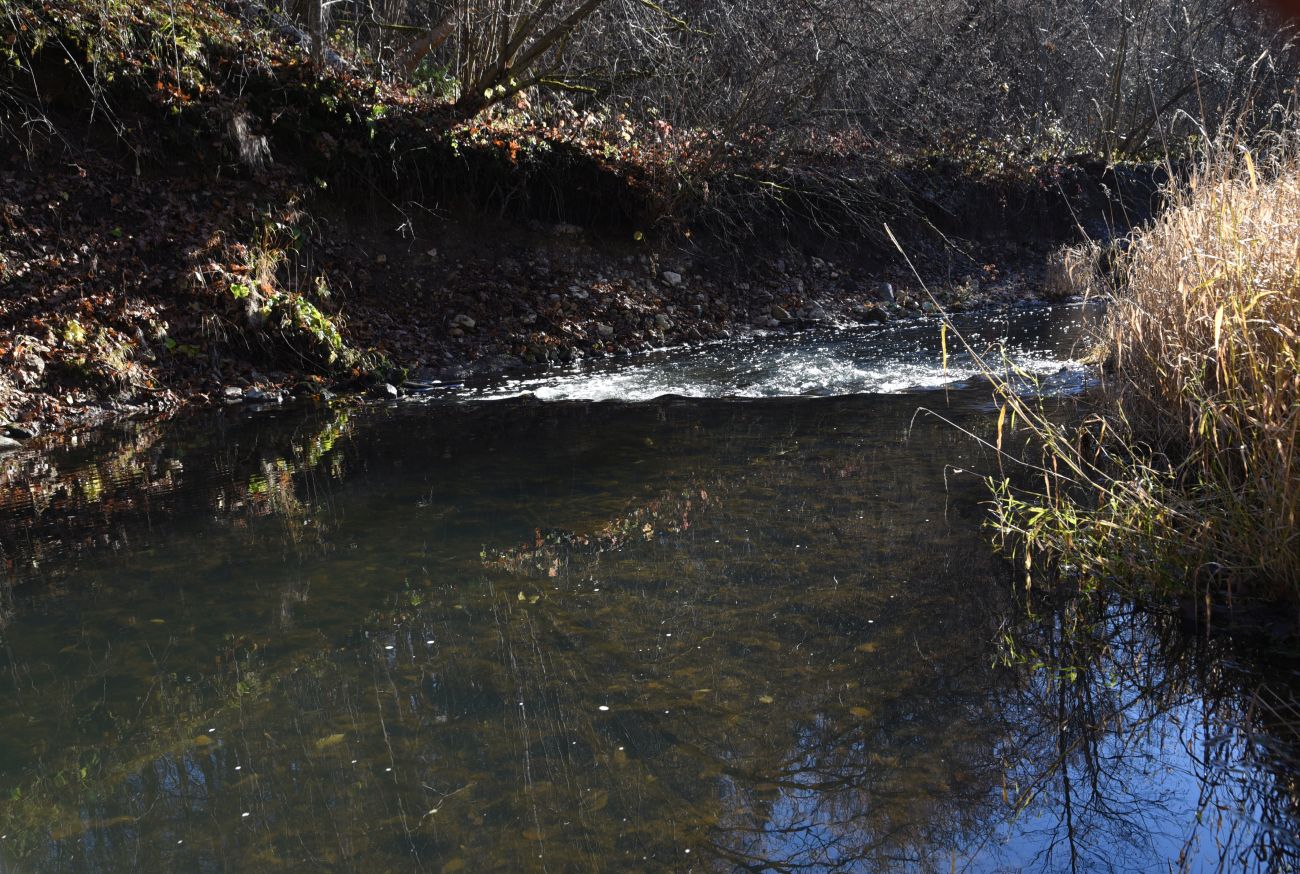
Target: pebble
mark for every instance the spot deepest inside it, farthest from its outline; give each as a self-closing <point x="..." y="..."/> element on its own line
<point x="672" y="278"/>
<point x="604" y="330"/>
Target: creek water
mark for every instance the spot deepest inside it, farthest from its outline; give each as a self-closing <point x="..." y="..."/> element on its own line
<point x="729" y="609"/>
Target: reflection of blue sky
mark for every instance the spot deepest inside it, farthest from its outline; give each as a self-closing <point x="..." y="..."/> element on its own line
<point x="1144" y="786"/>
<point x="1152" y="799"/>
<point x="1150" y="818"/>
<point x="800" y="830"/>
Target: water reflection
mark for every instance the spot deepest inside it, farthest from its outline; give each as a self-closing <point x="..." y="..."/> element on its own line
<point x="1122" y="689"/>
<point x="126" y="486"/>
<point x="686" y="635"/>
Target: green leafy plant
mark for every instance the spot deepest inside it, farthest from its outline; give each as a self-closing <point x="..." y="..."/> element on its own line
<point x="73" y="333"/>
<point x="435" y="78"/>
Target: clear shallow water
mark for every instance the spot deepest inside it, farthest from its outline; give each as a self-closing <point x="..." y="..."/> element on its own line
<point x="689" y="634"/>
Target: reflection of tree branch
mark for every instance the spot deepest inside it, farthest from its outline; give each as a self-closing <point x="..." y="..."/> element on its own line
<point x="1120" y="687"/>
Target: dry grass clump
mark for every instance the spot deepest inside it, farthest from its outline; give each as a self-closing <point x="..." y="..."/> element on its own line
<point x="1073" y="271"/>
<point x="1205" y="353"/>
<point x="1195" y="479"/>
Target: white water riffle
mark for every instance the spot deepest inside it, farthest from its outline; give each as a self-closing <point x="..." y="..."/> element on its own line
<point x="1042" y="343"/>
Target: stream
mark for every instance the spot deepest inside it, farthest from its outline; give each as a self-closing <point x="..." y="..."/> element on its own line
<point x="732" y="608"/>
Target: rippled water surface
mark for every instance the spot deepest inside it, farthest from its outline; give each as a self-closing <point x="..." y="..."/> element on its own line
<point x="703" y="633"/>
<point x="876" y="359"/>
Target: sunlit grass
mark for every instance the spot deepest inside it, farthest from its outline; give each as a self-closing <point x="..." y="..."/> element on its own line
<point x="1187" y="476"/>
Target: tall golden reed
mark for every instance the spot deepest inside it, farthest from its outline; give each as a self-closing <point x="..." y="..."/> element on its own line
<point x="1196" y="479"/>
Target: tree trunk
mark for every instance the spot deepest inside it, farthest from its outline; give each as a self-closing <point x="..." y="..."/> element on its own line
<point x="436" y="37"/>
<point x="316" y="26"/>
